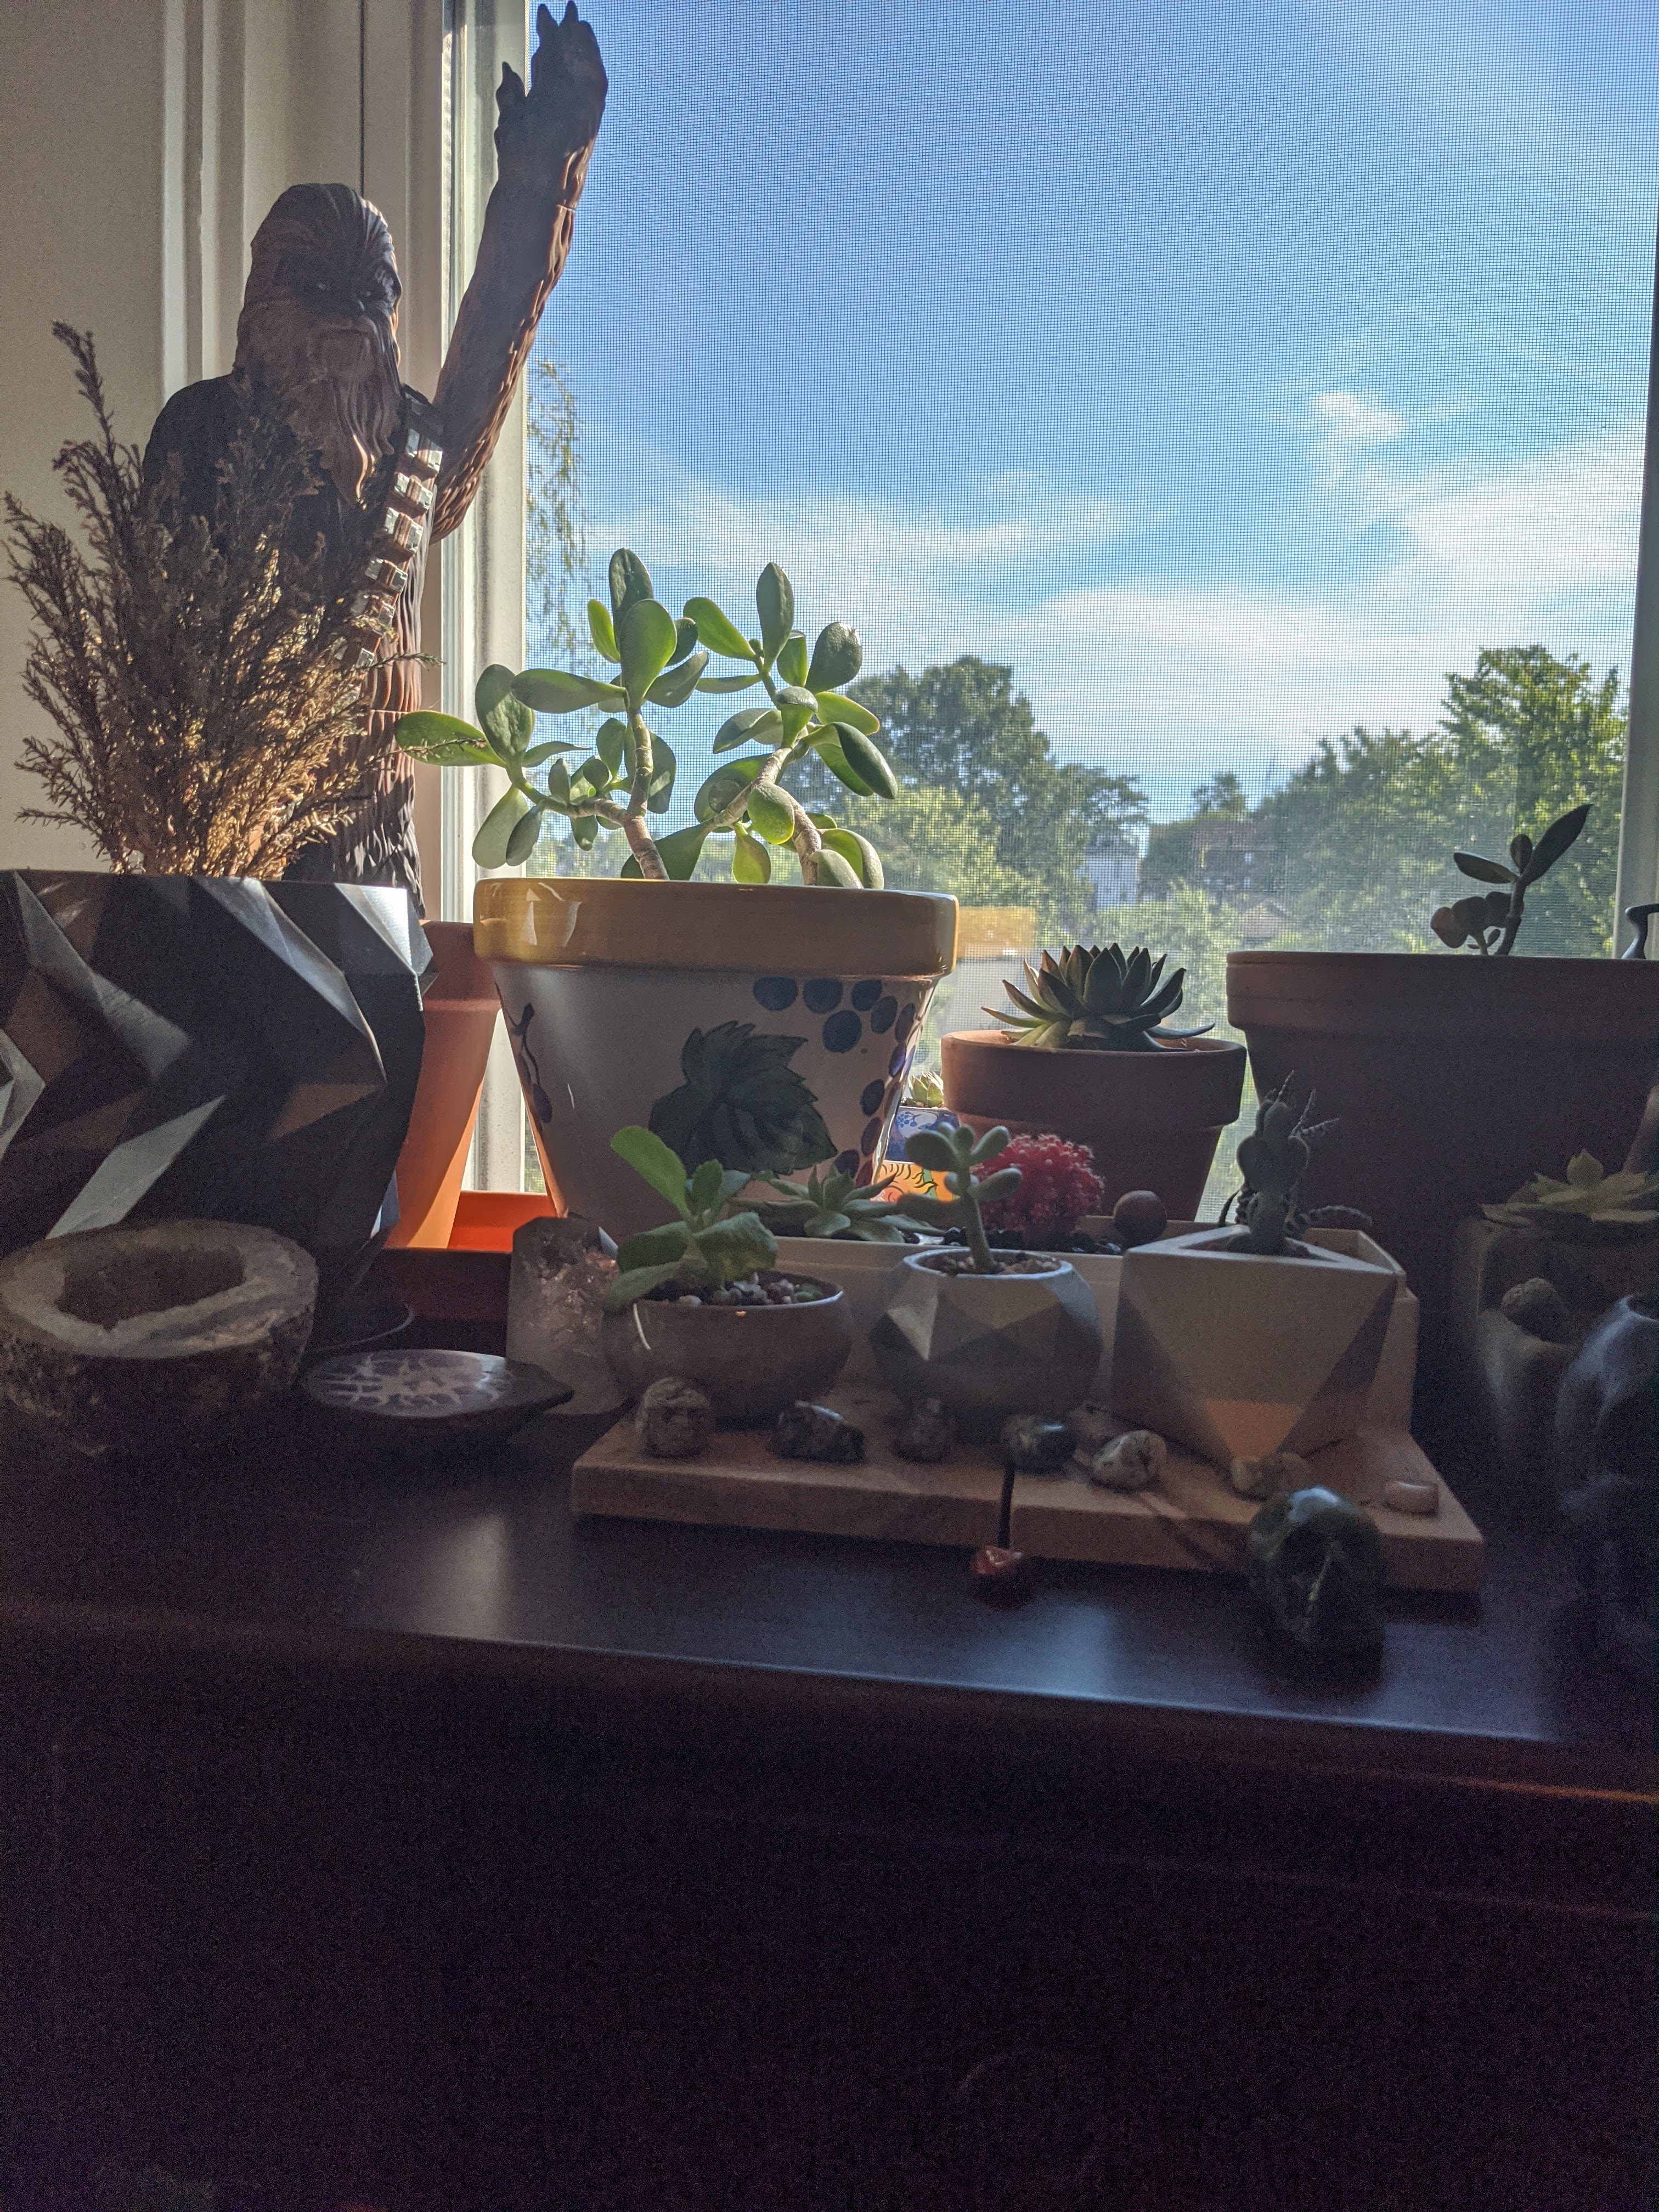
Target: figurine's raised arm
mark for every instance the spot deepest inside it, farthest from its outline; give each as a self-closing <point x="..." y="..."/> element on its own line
<point x="543" y="143"/>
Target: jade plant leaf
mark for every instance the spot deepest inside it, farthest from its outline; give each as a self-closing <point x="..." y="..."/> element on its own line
<point x="630" y="582"/>
<point x="775" y="602"/>
<point x="721" y="635"/>
<point x="443" y="740"/>
<point x="495" y="832"/>
<point x="836" y="658"/>
<point x="645" y="632"/>
<point x="556" y="691"/>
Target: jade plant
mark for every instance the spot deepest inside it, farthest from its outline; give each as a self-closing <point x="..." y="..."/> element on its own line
<point x="661" y="662"/>
<point x="705" y="1248"/>
<point x="1490" y="921"/>
<point x="1589" y="1207"/>
<point x="953" y="1155"/>
<point x="833" y="1205"/>
<point x="1097" y="998"/>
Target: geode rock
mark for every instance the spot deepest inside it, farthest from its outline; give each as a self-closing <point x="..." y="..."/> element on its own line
<point x="1274" y="1474"/>
<point x="806" y="1431"/>
<point x="1034" y="1445"/>
<point x="1091" y="1427"/>
<point x="555" y="1304"/>
<point x="926" y="1433"/>
<point x="1133" y="1461"/>
<point x="673" y="1418"/>
<point x="176" y="1046"/>
<point x="137" y="1339"/>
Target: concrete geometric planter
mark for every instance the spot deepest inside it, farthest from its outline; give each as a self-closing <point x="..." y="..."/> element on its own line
<point x="769" y="1027"/>
<point x="751" y="1362"/>
<point x="1239" y="1354"/>
<point x="988" y="1346"/>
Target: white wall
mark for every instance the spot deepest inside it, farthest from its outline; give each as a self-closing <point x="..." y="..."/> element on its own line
<point x="142" y="141"/>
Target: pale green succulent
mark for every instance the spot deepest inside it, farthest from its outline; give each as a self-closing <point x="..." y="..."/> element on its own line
<point x="1588" y="1207"/>
<point x="704" y="1247"/>
<point x="833" y="1205"/>
<point x="1097" y="998"/>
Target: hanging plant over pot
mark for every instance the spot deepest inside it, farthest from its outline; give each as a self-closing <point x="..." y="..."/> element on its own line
<point x="1086" y="1052"/>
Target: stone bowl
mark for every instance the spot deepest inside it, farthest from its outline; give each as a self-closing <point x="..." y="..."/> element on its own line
<point x="749" y="1361"/>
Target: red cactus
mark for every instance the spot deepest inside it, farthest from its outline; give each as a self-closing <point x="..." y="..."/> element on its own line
<point x="1058" y="1186"/>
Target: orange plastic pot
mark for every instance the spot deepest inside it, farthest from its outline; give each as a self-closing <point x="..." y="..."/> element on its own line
<point x="1152" y="1120"/>
<point x="461" y="1010"/>
<point x="1451" y="1079"/>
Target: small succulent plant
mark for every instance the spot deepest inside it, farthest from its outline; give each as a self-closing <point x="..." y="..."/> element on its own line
<point x="925" y="1088"/>
<point x="1097" y="998"/>
<point x="704" y="1247"/>
<point x="1588" y="1207"/>
<point x="833" y="1205"/>
<point x="953" y="1154"/>
<point x="1489" y="922"/>
<point x="660" y="662"/>
<point x="1273" y="1160"/>
<point x="1058" y="1187"/>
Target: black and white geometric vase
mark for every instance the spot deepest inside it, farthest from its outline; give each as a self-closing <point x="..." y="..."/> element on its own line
<point x="221" y="1048"/>
<point x="988" y="1346"/>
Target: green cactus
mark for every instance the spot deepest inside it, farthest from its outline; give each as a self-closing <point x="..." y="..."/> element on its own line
<point x="1097" y="998"/>
<point x="1272" y="1161"/>
<point x="742" y="1103"/>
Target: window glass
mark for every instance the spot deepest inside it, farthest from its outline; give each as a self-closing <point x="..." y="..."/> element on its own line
<point x="1222" y="424"/>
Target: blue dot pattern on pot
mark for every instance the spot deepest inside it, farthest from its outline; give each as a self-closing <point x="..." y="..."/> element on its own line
<point x="865" y="995"/>
<point x="843" y="1031"/>
<point x="871" y="1132"/>
<point x="882" y="1013"/>
<point x="870" y="1099"/>
<point x="775" y="993"/>
<point x="846" y="1162"/>
<point x="821" y="995"/>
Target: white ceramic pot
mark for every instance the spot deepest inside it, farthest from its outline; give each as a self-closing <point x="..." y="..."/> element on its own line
<point x="767" y="1026"/>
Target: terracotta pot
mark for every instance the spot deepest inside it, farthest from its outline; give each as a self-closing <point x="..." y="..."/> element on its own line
<point x="751" y="1361"/>
<point x="460" y="1010"/>
<point x="1452" y="1079"/>
<point x="767" y="1026"/>
<point x="988" y="1346"/>
<point x="1152" y="1120"/>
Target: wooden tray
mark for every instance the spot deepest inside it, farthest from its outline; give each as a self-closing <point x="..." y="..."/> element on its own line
<point x="1189" y="1518"/>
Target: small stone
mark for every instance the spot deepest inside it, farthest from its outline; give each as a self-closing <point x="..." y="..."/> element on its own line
<point x="1538" y="1307"/>
<point x="1090" y="1427"/>
<point x="996" y="1572"/>
<point x="1140" y="1217"/>
<point x="1402" y="1495"/>
<point x="1129" y="1462"/>
<point x="806" y="1431"/>
<point x="689" y="1298"/>
<point x="1034" y="1445"/>
<point x="1277" y="1473"/>
<point x="673" y="1419"/>
<point x="927" y="1432"/>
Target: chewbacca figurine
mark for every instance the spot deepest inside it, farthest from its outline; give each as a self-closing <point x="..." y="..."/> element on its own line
<point x="317" y="340"/>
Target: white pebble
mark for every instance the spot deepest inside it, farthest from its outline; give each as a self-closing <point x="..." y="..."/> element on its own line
<point x="1404" y="1497"/>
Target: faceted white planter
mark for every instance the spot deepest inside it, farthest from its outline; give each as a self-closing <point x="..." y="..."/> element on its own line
<point x="988" y="1346"/>
<point x="765" y="1026"/>
<point x="1239" y="1354"/>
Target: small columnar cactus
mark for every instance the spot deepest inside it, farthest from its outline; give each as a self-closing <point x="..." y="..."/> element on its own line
<point x="1272" y="1161"/>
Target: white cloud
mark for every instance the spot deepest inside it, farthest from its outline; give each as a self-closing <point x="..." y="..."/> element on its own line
<point x="1349" y="424"/>
<point x="1171" y="676"/>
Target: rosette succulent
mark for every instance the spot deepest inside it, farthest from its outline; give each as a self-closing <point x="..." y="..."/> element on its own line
<point x="1590" y="1207"/>
<point x="1097" y="998"/>
<point x="662" y="661"/>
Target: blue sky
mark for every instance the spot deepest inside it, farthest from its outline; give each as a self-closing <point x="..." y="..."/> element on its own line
<point x="1233" y="368"/>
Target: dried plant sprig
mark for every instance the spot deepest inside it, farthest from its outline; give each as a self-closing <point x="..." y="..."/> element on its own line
<point x="209" y="712"/>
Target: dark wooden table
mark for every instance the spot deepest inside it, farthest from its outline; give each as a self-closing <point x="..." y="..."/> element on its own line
<point x="387" y="1830"/>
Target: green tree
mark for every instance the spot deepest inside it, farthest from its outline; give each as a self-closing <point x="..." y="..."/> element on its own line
<point x="1222" y="797"/>
<point x="1173" y="848"/>
<point x="962" y="730"/>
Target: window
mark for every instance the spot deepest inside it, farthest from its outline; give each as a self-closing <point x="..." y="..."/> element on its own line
<point x="1224" y="425"/>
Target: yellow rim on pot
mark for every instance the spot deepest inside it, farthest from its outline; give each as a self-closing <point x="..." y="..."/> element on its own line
<point x="566" y="921"/>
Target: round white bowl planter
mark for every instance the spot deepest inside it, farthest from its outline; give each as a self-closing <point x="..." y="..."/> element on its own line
<point x="767" y="1026"/>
